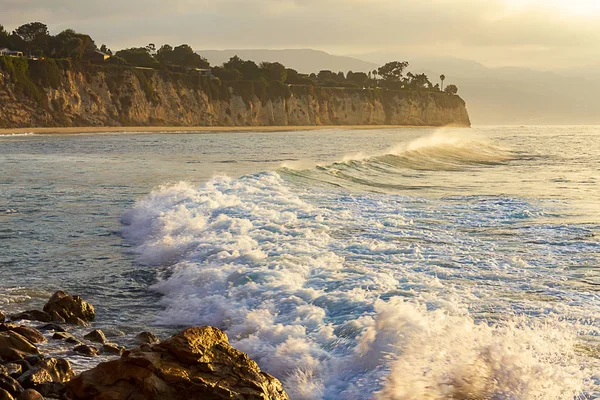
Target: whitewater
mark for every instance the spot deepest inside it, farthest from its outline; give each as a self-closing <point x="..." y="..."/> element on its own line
<point x="413" y="264"/>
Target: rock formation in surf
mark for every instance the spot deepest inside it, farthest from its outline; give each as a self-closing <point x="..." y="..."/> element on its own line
<point x="197" y="363"/>
<point x="103" y="96"/>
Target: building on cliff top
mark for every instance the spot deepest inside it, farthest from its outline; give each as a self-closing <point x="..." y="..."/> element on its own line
<point x="96" y="56"/>
<point x="11" y="53"/>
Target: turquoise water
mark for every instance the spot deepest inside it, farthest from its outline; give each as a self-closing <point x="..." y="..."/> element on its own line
<point x="391" y="264"/>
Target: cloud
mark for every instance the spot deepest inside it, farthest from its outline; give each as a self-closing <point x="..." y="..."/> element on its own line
<point x="478" y="29"/>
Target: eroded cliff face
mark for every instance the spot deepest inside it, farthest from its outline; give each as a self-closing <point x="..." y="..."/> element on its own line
<point x="129" y="97"/>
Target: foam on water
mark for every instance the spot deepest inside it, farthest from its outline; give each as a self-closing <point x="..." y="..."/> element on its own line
<point x="373" y="296"/>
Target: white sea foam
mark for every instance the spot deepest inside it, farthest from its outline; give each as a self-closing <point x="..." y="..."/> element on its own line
<point x="359" y="296"/>
<point x="16" y="134"/>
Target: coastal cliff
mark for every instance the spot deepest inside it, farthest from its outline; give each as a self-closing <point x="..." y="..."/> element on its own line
<point x="49" y="94"/>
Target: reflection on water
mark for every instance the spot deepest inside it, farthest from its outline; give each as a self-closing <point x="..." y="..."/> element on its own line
<point x="351" y="260"/>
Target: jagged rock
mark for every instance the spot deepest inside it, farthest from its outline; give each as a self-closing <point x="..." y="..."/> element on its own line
<point x="63" y="336"/>
<point x="86" y="350"/>
<point x="31" y="334"/>
<point x="56" y="317"/>
<point x="72" y="309"/>
<point x="147" y="338"/>
<point x="48" y="377"/>
<point x="4" y="395"/>
<point x="51" y="327"/>
<point x="25" y="366"/>
<point x="110" y="348"/>
<point x="195" y="364"/>
<point x="13" y="369"/>
<point x="32" y="315"/>
<point x="96" y="336"/>
<point x="14" y="346"/>
<point x="10" y="385"/>
<point x="30" y="394"/>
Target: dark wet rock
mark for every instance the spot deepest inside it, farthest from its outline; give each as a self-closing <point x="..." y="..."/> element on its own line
<point x="13" y="369"/>
<point x="51" y="327"/>
<point x="56" y="317"/>
<point x="48" y="377"/>
<point x="86" y="350"/>
<point x="96" y="336"/>
<point x="63" y="336"/>
<point x="4" y="395"/>
<point x="110" y="348"/>
<point x="10" y="385"/>
<point x="32" y="315"/>
<point x="195" y="364"/>
<point x="113" y="332"/>
<point x="13" y="346"/>
<point x="25" y="366"/>
<point x="30" y="394"/>
<point x="31" y="334"/>
<point x="147" y="338"/>
<point x="72" y="309"/>
<point x="2" y="317"/>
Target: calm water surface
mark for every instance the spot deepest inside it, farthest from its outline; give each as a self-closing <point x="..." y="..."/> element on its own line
<point x="388" y="264"/>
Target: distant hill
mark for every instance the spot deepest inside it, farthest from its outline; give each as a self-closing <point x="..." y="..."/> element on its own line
<point x="302" y="60"/>
<point x="508" y="95"/>
<point x="512" y="95"/>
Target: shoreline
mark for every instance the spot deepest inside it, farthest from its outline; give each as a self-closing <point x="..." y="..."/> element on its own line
<point x="201" y="129"/>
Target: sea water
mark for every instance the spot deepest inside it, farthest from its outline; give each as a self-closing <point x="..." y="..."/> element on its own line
<point x="350" y="264"/>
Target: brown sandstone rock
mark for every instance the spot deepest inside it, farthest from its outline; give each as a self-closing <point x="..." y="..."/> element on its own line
<point x="72" y="309"/>
<point x="110" y="348"/>
<point x="30" y="394"/>
<point x="32" y="315"/>
<point x="13" y="370"/>
<point x="147" y="338"/>
<point x="10" y="385"/>
<point x="48" y="376"/>
<point x="86" y="350"/>
<point x="4" y="395"/>
<point x="31" y="334"/>
<point x="96" y="336"/>
<point x="195" y="364"/>
<point x="2" y="317"/>
<point x="14" y="346"/>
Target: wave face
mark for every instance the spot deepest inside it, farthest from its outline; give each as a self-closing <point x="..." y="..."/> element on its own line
<point x="367" y="295"/>
<point x="443" y="151"/>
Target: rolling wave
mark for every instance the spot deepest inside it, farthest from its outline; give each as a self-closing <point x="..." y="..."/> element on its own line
<point x="439" y="152"/>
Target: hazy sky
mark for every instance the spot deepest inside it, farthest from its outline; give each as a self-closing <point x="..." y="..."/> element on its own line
<point x="544" y="34"/>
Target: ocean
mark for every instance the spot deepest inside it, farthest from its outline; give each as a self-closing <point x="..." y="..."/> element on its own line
<point x="350" y="264"/>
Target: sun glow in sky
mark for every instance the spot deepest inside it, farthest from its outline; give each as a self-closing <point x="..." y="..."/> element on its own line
<point x="534" y="33"/>
<point x="572" y="7"/>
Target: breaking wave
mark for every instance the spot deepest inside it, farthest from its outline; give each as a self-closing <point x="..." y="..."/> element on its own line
<point x="443" y="151"/>
<point x="364" y="296"/>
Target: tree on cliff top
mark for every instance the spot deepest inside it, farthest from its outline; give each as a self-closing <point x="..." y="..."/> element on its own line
<point x="392" y="71"/>
<point x="182" y="55"/>
<point x="451" y="89"/>
<point x="138" y="57"/>
<point x="250" y="71"/>
<point x="274" y="71"/>
<point x="35" y="36"/>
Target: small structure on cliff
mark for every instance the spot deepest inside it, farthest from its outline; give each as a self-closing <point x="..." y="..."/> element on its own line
<point x="96" y="56"/>
<point x="11" y="53"/>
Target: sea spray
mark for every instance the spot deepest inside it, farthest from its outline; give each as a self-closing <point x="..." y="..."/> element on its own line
<point x="358" y="296"/>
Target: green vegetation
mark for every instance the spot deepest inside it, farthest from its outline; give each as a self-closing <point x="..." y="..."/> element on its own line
<point x="49" y="56"/>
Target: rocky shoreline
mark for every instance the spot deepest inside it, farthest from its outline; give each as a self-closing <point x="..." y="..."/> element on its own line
<point x="197" y="363"/>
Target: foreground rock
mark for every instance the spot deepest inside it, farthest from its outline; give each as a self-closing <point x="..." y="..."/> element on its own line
<point x="32" y="335"/>
<point x="197" y="363"/>
<point x="72" y="309"/>
<point x="14" y="346"/>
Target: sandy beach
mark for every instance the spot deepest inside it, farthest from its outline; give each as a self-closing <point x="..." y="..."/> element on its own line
<point x="189" y="129"/>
